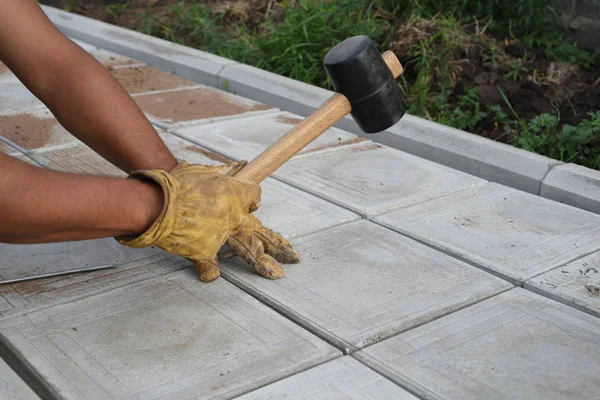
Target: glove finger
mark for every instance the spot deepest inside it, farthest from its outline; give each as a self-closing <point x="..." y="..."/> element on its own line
<point x="208" y="269"/>
<point x="251" y="250"/>
<point x="275" y="245"/>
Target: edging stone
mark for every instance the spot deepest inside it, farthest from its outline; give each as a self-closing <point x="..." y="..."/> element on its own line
<point x="186" y="62"/>
<point x="574" y="185"/>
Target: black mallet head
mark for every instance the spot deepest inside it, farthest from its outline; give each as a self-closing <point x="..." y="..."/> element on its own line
<point x="359" y="72"/>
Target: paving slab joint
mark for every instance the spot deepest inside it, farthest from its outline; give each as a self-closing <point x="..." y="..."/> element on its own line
<point x="25" y="370"/>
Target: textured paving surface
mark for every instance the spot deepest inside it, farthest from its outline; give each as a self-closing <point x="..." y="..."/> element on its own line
<point x="515" y="345"/>
<point x="12" y="387"/>
<point x="514" y="234"/>
<point x="361" y="283"/>
<point x="170" y="336"/>
<point x="576" y="284"/>
<point x="422" y="296"/>
<point x="344" y="378"/>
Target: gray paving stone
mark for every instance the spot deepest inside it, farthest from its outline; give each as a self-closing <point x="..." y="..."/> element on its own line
<point x="6" y="76"/>
<point x="77" y="159"/>
<point x="35" y="130"/>
<point x="184" y="61"/>
<point x="473" y="154"/>
<point x="12" y="387"/>
<point x="342" y="378"/>
<point x="245" y="138"/>
<point x="372" y="179"/>
<point x="33" y="295"/>
<point x="168" y="337"/>
<point x="360" y="283"/>
<point x="517" y="345"/>
<point x="295" y="213"/>
<point x="576" y="284"/>
<point x="28" y="260"/>
<point x="16" y="98"/>
<point x="574" y="185"/>
<point x="6" y="149"/>
<point x="171" y="108"/>
<point x="511" y="233"/>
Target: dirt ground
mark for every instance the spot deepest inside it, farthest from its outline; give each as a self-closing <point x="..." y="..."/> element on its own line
<point x="543" y="85"/>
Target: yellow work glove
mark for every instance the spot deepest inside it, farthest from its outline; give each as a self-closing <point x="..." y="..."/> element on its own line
<point x="204" y="209"/>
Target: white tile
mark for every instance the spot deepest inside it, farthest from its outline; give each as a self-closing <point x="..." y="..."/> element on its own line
<point x="576" y="284"/>
<point x="342" y="378"/>
<point x="517" y="345"/>
<point x="361" y="283"/>
<point x="246" y="138"/>
<point x="12" y="387"/>
<point x="372" y="179"/>
<point x="168" y="337"/>
<point x="512" y="233"/>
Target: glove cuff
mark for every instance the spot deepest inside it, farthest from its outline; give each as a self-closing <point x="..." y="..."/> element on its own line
<point x="163" y="225"/>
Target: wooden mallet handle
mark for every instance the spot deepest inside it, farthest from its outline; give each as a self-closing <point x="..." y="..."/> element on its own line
<point x="323" y="118"/>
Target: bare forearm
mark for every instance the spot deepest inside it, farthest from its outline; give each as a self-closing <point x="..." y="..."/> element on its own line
<point x="39" y="205"/>
<point x="91" y="105"/>
<point x="79" y="91"/>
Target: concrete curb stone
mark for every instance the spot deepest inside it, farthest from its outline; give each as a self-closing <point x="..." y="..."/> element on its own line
<point x="485" y="158"/>
<point x="575" y="185"/>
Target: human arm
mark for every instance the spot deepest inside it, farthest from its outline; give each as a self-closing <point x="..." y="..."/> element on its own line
<point x="78" y="90"/>
<point x="39" y="205"/>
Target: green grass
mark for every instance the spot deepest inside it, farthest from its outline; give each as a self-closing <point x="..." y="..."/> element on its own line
<point x="441" y="32"/>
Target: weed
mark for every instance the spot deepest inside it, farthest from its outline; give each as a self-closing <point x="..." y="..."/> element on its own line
<point x="296" y="47"/>
<point x="116" y="9"/>
<point x="570" y="144"/>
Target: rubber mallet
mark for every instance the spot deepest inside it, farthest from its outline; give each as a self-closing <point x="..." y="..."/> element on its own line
<point x="365" y="82"/>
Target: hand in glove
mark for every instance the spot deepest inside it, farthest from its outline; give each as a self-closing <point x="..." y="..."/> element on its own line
<point x="203" y="209"/>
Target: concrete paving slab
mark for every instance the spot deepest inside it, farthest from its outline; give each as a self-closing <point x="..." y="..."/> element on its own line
<point x="372" y="179"/>
<point x="107" y="58"/>
<point x="361" y="283"/>
<point x="246" y="138"/>
<point x="175" y="106"/>
<point x="576" y="284"/>
<point x="25" y="158"/>
<point x="294" y="213"/>
<point x="143" y="79"/>
<point x="35" y="130"/>
<point x="28" y="260"/>
<point x="575" y="185"/>
<point x="78" y="159"/>
<point x="29" y="296"/>
<point x="473" y="154"/>
<point x="6" y="76"/>
<point x="168" y="337"/>
<point x="283" y="208"/>
<point x="517" y="345"/>
<point x="342" y="378"/>
<point x="184" y="61"/>
<point x="510" y="233"/>
<point x="16" y="98"/>
<point x="12" y="387"/>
